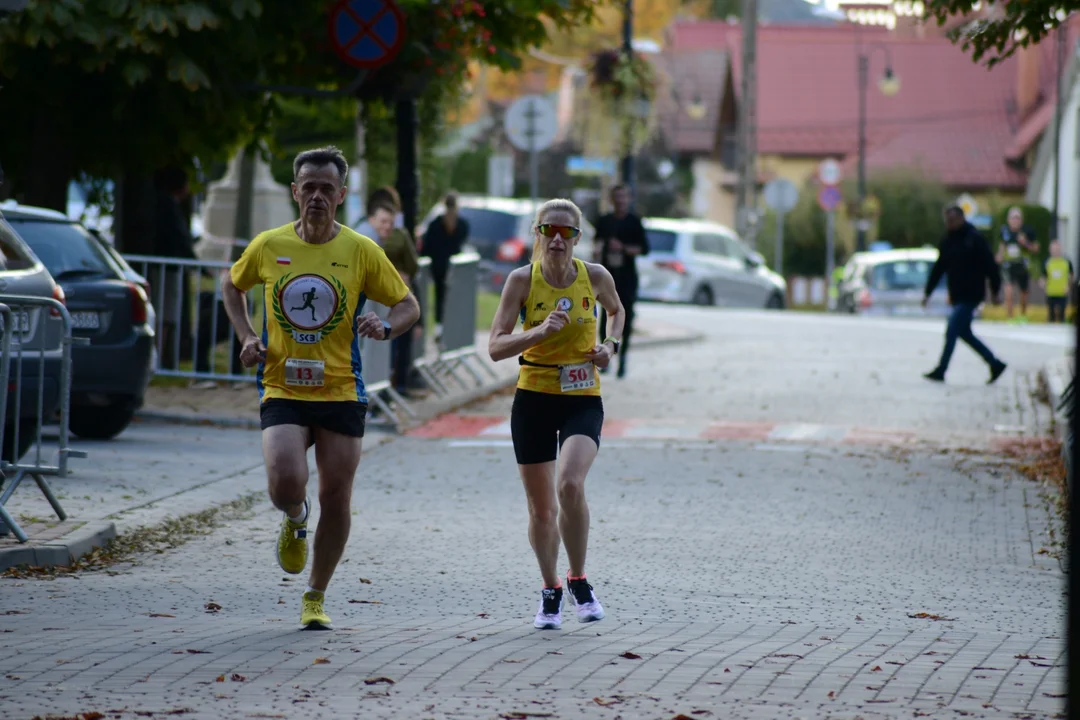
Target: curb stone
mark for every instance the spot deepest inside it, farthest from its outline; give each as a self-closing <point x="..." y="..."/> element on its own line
<point x="63" y="550"/>
<point x="1056" y="375"/>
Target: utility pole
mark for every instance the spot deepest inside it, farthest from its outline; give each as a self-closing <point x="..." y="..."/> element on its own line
<point x="628" y="49"/>
<point x="746" y="198"/>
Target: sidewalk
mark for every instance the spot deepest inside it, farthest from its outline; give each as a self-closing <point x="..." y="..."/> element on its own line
<point x="191" y="451"/>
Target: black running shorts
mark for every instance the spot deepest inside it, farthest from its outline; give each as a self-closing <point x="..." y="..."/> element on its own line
<point x="541" y="422"/>
<point x="346" y="417"/>
<point x="1017" y="274"/>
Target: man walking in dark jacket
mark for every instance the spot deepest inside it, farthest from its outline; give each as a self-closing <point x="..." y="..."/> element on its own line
<point x="965" y="259"/>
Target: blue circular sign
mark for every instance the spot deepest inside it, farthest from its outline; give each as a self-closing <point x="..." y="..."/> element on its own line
<point x="829" y="198"/>
<point x="367" y="33"/>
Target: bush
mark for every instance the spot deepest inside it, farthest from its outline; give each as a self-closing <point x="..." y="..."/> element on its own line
<point x="912" y="206"/>
<point x="1039" y="218"/>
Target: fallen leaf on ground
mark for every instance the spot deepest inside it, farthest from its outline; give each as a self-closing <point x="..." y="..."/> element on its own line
<point x="514" y="661"/>
<point x="680" y="716"/>
<point x="162" y="615"/>
<point x="378" y="680"/>
<point x="365" y="581"/>
<point x="237" y="677"/>
<point x="859" y="618"/>
<point x="366" y="602"/>
<point x="832" y="694"/>
<point x="1025" y="656"/>
<point x="212" y="607"/>
<point x="554" y="652"/>
<point x="174" y="711"/>
<point x="482" y="615"/>
<point x="198" y="652"/>
<point x="321" y="661"/>
<point x="603" y="702"/>
<point x="876" y="668"/>
<point x="264" y="715"/>
<point x="928" y="616"/>
<point x="1055" y="695"/>
<point x="519" y="715"/>
<point x="220" y="678"/>
<point x="630" y="656"/>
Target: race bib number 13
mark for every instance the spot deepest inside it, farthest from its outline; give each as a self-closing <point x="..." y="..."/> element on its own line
<point x="578" y="377"/>
<point x="307" y="373"/>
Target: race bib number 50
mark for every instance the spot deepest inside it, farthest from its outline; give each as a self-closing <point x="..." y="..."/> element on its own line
<point x="307" y="373"/>
<point x="578" y="377"/>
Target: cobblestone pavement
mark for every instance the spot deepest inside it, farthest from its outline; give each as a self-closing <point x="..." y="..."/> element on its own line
<point x="742" y="578"/>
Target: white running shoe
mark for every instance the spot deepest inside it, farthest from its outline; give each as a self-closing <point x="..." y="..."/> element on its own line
<point x="584" y="600"/>
<point x="549" y="616"/>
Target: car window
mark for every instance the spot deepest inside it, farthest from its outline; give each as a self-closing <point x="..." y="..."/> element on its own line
<point x="661" y="240"/>
<point x="66" y="249"/>
<point x="900" y="275"/>
<point x="734" y="249"/>
<point x="489" y="227"/>
<point x="709" y="244"/>
<point x="12" y="255"/>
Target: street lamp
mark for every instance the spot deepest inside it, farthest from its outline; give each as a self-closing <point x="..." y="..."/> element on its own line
<point x="888" y="85"/>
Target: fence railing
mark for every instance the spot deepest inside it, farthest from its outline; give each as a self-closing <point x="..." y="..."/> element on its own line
<point x="195" y="339"/>
<point x="35" y="370"/>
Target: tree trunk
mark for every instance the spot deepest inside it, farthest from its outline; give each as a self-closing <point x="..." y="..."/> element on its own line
<point x="47" y="179"/>
<point x="134" y="216"/>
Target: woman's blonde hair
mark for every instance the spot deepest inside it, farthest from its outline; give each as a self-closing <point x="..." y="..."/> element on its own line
<point x="554" y="205"/>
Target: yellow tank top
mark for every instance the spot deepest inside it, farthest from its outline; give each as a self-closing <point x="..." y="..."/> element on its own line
<point x="1057" y="277"/>
<point x="569" y="345"/>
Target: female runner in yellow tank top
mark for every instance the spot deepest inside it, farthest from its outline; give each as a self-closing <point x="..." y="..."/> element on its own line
<point x="557" y="410"/>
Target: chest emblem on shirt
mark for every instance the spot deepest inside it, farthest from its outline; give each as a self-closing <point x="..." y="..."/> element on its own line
<point x="564" y="304"/>
<point x="309" y="306"/>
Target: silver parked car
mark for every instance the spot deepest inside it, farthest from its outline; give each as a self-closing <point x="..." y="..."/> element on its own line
<point x="694" y="261"/>
<point x="38" y="333"/>
<point x="891" y="282"/>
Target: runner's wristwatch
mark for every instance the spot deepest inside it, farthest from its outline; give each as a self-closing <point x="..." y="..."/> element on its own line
<point x="615" y="342"/>
<point x="386" y="330"/>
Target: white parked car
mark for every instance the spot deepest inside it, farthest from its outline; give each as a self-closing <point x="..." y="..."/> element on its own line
<point x="705" y="263"/>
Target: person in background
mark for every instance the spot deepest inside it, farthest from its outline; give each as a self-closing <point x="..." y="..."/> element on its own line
<point x="621" y="238"/>
<point x="385" y="195"/>
<point x="966" y="261"/>
<point x="401" y="251"/>
<point x="1016" y="239"/>
<point x="443" y="239"/>
<point x="1058" y="281"/>
<point x="172" y="240"/>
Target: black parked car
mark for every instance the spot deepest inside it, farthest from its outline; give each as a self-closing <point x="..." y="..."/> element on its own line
<point x="109" y="304"/>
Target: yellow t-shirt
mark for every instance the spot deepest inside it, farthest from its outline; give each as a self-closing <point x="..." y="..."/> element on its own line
<point x="569" y="345"/>
<point x="312" y="295"/>
<point x="1057" y="276"/>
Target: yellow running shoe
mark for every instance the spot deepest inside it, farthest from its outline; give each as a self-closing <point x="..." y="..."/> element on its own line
<point x="312" y="616"/>
<point x="292" y="543"/>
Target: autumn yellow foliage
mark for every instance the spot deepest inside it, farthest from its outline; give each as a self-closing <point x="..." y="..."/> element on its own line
<point x="542" y="70"/>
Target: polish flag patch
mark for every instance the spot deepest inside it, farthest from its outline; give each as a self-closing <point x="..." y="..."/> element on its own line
<point x="284" y="261"/>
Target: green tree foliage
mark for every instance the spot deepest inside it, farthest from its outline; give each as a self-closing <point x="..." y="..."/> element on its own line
<point x="997" y="28"/>
<point x="911" y="204"/>
<point x="108" y="87"/>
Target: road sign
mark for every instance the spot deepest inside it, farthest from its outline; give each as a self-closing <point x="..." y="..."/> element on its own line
<point x="367" y="33"/>
<point x="531" y="123"/>
<point x="781" y="195"/>
<point x="578" y="165"/>
<point x="829" y="172"/>
<point x="829" y="198"/>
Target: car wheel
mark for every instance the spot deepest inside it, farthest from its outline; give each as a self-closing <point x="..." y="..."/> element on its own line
<point x="703" y="296"/>
<point x="27" y="436"/>
<point x="101" y="422"/>
<point x="776" y="302"/>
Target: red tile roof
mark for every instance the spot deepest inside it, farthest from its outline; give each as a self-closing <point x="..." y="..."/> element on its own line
<point x="956" y="115"/>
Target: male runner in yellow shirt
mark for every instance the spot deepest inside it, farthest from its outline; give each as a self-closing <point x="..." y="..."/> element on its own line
<point x="313" y="273"/>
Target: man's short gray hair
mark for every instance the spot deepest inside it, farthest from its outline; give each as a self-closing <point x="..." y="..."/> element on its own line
<point x="320" y="157"/>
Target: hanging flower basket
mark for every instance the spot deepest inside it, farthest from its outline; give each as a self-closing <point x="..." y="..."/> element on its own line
<point x="621" y="108"/>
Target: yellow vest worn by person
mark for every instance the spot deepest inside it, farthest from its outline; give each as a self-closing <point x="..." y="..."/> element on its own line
<point x="566" y="371"/>
<point x="311" y="295"/>
<point x="1057" y="277"/>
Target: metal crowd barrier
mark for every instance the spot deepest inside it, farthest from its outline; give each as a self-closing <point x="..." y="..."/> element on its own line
<point x="192" y="329"/>
<point x="192" y="325"/>
<point x="457" y="357"/>
<point x="35" y="369"/>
